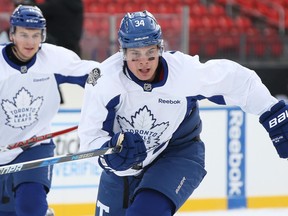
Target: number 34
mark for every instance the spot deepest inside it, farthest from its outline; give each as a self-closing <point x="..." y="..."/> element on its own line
<point x="139" y="23"/>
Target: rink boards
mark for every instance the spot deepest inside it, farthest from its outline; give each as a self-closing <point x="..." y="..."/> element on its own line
<point x="244" y="170"/>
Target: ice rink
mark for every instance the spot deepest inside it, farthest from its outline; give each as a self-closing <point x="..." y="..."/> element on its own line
<point x="240" y="212"/>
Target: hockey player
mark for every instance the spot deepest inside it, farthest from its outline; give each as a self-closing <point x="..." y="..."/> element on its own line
<point x="150" y="96"/>
<point x="30" y="72"/>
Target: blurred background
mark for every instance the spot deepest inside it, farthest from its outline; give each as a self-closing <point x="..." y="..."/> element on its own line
<point x="251" y="32"/>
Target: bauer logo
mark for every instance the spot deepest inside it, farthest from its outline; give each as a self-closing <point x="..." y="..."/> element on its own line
<point x="236" y="159"/>
<point x="279" y="119"/>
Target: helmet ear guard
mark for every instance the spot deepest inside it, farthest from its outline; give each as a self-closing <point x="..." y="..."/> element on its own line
<point x="28" y="17"/>
<point x="161" y="48"/>
<point x="43" y="35"/>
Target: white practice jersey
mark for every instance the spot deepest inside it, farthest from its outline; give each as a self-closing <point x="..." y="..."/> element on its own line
<point x="29" y="96"/>
<point x="115" y="100"/>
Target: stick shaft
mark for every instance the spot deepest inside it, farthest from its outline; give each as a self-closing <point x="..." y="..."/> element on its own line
<point x="8" y="169"/>
<point x="33" y="140"/>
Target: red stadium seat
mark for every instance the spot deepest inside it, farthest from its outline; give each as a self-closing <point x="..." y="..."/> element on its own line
<point x="216" y="10"/>
<point x="198" y="10"/>
<point x="195" y="23"/>
<point x="243" y="23"/>
<point x="195" y="47"/>
<point x="211" y="29"/>
<point x="225" y="22"/>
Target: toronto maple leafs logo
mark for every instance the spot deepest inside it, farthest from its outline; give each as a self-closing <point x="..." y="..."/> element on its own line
<point x="144" y="123"/>
<point x="94" y="75"/>
<point x="23" y="111"/>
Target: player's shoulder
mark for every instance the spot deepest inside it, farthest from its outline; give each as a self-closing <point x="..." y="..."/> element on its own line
<point x="2" y="46"/>
<point x="56" y="53"/>
<point x="48" y="46"/>
<point x="193" y="61"/>
<point x="109" y="71"/>
<point x="223" y="65"/>
<point x="114" y="60"/>
<point x="180" y="61"/>
<point x="112" y="65"/>
<point x="54" y="49"/>
<point x="180" y="57"/>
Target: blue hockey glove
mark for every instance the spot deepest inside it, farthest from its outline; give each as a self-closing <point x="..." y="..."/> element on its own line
<point x="275" y="122"/>
<point x="133" y="152"/>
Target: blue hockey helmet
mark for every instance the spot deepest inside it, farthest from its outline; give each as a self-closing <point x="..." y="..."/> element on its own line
<point x="139" y="29"/>
<point x="28" y="17"/>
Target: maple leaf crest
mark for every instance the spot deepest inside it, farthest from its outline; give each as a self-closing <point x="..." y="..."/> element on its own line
<point x="23" y="111"/>
<point x="144" y="123"/>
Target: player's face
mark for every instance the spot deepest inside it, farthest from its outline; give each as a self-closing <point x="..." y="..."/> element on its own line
<point x="26" y="42"/>
<point x="143" y="62"/>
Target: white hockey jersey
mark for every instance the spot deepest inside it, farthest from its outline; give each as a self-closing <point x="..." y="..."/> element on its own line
<point x="115" y="100"/>
<point x="29" y="96"/>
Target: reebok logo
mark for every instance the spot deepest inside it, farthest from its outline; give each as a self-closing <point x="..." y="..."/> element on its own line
<point x="235" y="175"/>
<point x="168" y="101"/>
<point x="279" y="119"/>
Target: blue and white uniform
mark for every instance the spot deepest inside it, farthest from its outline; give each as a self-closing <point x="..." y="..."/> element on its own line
<point x="166" y="115"/>
<point x="29" y="100"/>
<point x="29" y="95"/>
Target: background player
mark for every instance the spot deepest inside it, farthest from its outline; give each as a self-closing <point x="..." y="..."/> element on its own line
<point x="151" y="97"/>
<point x="30" y="72"/>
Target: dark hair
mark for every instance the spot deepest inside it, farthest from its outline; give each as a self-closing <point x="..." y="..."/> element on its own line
<point x="24" y="2"/>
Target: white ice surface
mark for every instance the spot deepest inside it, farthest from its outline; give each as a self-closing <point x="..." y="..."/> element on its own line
<point x="240" y="212"/>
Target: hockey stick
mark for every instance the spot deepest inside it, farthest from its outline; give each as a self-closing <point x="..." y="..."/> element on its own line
<point x="33" y="140"/>
<point x="8" y="169"/>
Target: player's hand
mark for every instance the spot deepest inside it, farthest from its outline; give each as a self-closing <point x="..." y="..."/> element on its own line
<point x="275" y="122"/>
<point x="133" y="152"/>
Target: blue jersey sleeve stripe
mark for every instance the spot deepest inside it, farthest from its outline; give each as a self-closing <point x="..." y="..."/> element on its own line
<point x="79" y="80"/>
